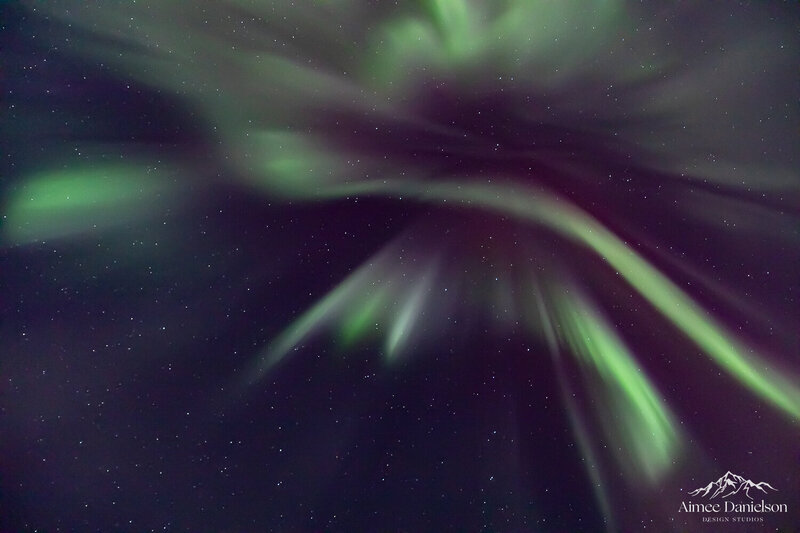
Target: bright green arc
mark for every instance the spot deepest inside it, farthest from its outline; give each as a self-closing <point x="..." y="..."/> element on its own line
<point x="664" y="295"/>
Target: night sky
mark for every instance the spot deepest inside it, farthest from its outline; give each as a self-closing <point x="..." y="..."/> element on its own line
<point x="514" y="266"/>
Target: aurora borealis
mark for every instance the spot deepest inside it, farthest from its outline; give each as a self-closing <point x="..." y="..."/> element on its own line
<point x="441" y="265"/>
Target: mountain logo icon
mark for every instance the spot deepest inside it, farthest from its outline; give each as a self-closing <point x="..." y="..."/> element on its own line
<point x="729" y="485"/>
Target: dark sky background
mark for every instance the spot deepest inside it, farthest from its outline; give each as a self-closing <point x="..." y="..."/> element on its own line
<point x="123" y="348"/>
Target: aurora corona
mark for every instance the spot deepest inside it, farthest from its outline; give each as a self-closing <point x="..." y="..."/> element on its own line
<point x="558" y="169"/>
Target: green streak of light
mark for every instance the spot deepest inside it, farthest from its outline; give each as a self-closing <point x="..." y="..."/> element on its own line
<point x="646" y="428"/>
<point x="356" y="325"/>
<point x="324" y="310"/>
<point x="57" y="204"/>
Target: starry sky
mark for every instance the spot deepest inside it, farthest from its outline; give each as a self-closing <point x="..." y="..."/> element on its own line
<point x="437" y="265"/>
